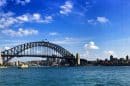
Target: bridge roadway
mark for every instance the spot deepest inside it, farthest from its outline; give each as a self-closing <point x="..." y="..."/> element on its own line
<point x="42" y="56"/>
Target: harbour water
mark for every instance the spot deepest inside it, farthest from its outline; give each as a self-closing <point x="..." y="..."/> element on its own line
<point x="66" y="76"/>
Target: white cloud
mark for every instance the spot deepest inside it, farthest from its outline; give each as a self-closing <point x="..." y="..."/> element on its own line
<point x="8" y="14"/>
<point x="21" y="32"/>
<point x="102" y="19"/>
<point x="110" y="52"/>
<point x="36" y="16"/>
<point x="6" y="48"/>
<point x="23" y="2"/>
<point x="70" y="41"/>
<point x="2" y="3"/>
<point x="66" y="41"/>
<point x="92" y="21"/>
<point x="85" y="54"/>
<point x="91" y="45"/>
<point x="6" y="22"/>
<point x="11" y="43"/>
<point x="66" y="8"/>
<point x="88" y="52"/>
<point x="53" y="33"/>
<point x="25" y="18"/>
<point x="7" y="19"/>
<point x="47" y="19"/>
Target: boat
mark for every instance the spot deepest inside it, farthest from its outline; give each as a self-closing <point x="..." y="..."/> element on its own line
<point x="23" y="66"/>
<point x="3" y="67"/>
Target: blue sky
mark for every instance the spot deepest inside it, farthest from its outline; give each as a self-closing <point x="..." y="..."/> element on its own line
<point x="94" y="28"/>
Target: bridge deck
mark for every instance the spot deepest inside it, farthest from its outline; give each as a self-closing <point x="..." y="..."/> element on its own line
<point x="42" y="56"/>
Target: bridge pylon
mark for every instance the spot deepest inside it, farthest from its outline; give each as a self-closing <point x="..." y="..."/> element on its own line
<point x="77" y="59"/>
<point x="1" y="60"/>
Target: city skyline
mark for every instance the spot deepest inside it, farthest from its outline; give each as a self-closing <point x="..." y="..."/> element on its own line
<point x="93" y="28"/>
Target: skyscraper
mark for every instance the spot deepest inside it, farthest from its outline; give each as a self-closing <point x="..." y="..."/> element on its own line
<point x="127" y="57"/>
<point x="111" y="58"/>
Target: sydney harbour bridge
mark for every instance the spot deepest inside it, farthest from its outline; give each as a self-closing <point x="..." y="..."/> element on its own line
<point x="41" y="49"/>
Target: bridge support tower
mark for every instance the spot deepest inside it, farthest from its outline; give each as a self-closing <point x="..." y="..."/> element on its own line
<point x="1" y="60"/>
<point x="77" y="59"/>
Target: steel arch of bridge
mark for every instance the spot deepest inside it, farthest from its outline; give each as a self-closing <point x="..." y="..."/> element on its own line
<point x="7" y="55"/>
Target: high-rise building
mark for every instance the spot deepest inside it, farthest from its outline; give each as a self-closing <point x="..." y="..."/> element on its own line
<point x="111" y="58"/>
<point x="127" y="57"/>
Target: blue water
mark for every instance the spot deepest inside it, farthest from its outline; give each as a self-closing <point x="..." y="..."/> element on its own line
<point x="66" y="76"/>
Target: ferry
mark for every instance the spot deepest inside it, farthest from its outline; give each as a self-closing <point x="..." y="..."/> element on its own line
<point x="23" y="66"/>
<point x="3" y="67"/>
